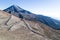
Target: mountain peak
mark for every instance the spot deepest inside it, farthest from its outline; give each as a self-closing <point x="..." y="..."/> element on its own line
<point x="16" y="9"/>
<point x="13" y="8"/>
<point x="16" y="6"/>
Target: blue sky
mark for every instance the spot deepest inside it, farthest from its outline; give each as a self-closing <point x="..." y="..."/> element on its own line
<point x="45" y="7"/>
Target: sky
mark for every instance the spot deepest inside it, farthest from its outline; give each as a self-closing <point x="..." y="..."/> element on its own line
<point x="49" y="8"/>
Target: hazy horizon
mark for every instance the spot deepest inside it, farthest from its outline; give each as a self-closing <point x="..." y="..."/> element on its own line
<point x="44" y="7"/>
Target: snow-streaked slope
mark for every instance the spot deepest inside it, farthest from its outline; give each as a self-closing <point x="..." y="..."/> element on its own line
<point x="19" y="12"/>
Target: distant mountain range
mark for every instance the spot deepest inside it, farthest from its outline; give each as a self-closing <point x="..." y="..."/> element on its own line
<point x="21" y="13"/>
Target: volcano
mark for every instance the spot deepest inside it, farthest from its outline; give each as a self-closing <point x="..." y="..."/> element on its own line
<point x="21" y="13"/>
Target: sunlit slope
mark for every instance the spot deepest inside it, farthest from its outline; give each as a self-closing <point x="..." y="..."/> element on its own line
<point x="13" y="28"/>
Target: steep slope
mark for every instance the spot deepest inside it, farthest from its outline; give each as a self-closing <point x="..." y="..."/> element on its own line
<point x="19" y="12"/>
<point x="14" y="28"/>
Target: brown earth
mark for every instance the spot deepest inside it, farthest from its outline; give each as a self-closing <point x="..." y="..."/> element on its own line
<point x="14" y="28"/>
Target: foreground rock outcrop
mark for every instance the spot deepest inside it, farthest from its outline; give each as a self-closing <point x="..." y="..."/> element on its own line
<point x="14" y="28"/>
